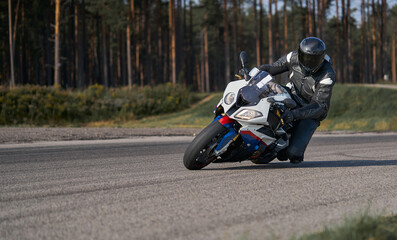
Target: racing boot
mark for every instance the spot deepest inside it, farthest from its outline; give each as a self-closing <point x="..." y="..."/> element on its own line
<point x="296" y="160"/>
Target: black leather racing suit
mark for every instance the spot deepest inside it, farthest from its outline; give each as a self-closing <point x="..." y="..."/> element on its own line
<point x="312" y="92"/>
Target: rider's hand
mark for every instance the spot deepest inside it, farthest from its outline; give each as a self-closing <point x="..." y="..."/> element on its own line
<point x="287" y="116"/>
<point x="242" y="72"/>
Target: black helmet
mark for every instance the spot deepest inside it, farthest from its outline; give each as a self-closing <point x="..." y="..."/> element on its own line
<point x="311" y="54"/>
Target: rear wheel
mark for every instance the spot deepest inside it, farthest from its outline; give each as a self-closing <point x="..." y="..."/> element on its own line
<point x="200" y="152"/>
<point x="265" y="159"/>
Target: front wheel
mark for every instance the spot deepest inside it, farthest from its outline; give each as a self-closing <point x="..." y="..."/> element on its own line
<point x="200" y="152"/>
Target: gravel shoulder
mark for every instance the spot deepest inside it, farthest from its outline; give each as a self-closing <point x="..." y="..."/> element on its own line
<point x="27" y="135"/>
<point x="11" y="135"/>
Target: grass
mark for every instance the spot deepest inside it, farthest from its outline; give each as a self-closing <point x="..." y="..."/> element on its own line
<point x="361" y="108"/>
<point x="197" y="116"/>
<point x="353" y="108"/>
<point x="359" y="228"/>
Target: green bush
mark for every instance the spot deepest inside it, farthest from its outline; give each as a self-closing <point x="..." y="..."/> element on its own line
<point x="35" y="105"/>
<point x="359" y="228"/>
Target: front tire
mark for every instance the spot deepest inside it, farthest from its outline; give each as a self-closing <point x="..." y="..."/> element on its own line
<point x="200" y="152"/>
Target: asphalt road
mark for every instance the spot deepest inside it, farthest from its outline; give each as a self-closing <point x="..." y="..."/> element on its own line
<point x="139" y="189"/>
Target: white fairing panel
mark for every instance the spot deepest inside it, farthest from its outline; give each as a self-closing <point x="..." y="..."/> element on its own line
<point x="254" y="129"/>
<point x="254" y="72"/>
<point x="233" y="87"/>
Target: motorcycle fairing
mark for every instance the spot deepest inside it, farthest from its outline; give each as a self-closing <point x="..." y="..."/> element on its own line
<point x="242" y="96"/>
<point x="232" y="87"/>
<point x="253" y="139"/>
<point x="225" y="121"/>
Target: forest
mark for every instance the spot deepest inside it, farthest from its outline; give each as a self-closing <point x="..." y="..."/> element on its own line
<point x="74" y="44"/>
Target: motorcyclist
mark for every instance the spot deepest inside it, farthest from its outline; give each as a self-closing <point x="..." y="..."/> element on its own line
<point x="311" y="79"/>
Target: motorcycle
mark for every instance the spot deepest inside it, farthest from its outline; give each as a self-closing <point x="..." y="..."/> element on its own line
<point x="247" y="123"/>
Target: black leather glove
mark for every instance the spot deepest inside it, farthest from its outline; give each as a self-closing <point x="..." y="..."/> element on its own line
<point x="287" y="116"/>
<point x="241" y="72"/>
<point x="244" y="73"/>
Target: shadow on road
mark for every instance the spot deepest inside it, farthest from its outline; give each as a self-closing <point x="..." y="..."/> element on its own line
<point x="315" y="164"/>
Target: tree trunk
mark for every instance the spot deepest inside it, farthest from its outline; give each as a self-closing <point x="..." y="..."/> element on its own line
<point x="349" y="45"/>
<point x="129" y="62"/>
<point x="344" y="35"/>
<point x="256" y="35"/>
<point x="227" y="43"/>
<point x="159" y="60"/>
<point x="130" y="21"/>
<point x="276" y="51"/>
<point x="285" y="27"/>
<point x="383" y="46"/>
<point x="148" y="44"/>
<point x="71" y="47"/>
<point x="76" y="44"/>
<point x="363" y="72"/>
<point x="235" y="16"/>
<point x="393" y="59"/>
<point x="321" y="20"/>
<point x="313" y="16"/>
<point x="191" y="48"/>
<point x="81" y="46"/>
<point x="338" y="58"/>
<point x="172" y="45"/>
<point x="270" y="33"/>
<point x="206" y="59"/>
<point x="202" y="63"/>
<point x="198" y="77"/>
<point x="104" y="54"/>
<point x="303" y="19"/>
<point x="57" y="81"/>
<point x="137" y="22"/>
<point x="261" y="32"/>
<point x="309" y="18"/>
<point x="179" y="41"/>
<point x="141" y="22"/>
<point x="185" y="41"/>
<point x="369" y="41"/>
<point x="12" y="82"/>
<point x="110" y="61"/>
<point x="240" y="26"/>
<point x="374" y="63"/>
<point x="293" y="25"/>
<point x="14" y="32"/>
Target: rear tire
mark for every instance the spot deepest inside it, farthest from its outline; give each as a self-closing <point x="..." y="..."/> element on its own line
<point x="264" y="160"/>
<point x="200" y="152"/>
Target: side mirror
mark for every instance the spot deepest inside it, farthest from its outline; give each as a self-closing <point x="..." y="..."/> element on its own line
<point x="244" y="62"/>
<point x="244" y="59"/>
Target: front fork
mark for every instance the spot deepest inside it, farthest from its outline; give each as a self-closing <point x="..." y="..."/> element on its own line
<point x="229" y="137"/>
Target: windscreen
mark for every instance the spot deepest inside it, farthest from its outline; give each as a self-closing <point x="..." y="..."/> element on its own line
<point x="258" y="86"/>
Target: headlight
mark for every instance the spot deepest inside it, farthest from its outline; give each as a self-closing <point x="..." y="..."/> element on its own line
<point x="246" y="114"/>
<point x="229" y="98"/>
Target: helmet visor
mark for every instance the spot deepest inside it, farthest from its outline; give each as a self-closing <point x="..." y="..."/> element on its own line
<point x="310" y="61"/>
